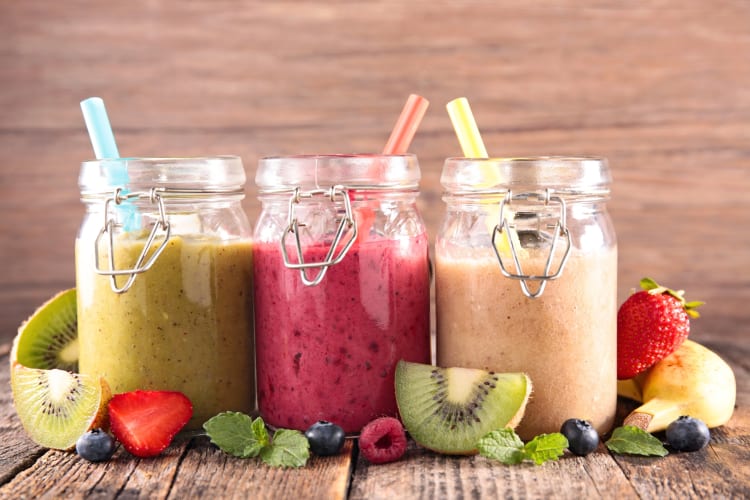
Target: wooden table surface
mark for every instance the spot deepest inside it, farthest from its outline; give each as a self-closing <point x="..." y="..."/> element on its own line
<point x="661" y="88"/>
<point x="193" y="468"/>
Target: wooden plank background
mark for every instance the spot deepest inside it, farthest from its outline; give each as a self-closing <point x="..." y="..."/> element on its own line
<point x="661" y="88"/>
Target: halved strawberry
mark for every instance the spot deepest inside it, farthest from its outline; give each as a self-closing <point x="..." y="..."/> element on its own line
<point x="145" y="422"/>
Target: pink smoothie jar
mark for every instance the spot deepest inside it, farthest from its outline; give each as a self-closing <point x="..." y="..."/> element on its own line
<point x="342" y="286"/>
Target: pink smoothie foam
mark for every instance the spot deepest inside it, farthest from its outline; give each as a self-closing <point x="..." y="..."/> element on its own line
<point x="328" y="352"/>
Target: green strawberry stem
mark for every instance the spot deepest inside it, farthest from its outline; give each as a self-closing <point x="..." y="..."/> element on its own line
<point x="654" y="288"/>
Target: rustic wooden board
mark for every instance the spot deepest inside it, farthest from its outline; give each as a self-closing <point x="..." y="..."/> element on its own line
<point x="207" y="472"/>
<point x="722" y="470"/>
<point x="427" y="475"/>
<point x="193" y="468"/>
<point x="660" y="88"/>
<point x="189" y="468"/>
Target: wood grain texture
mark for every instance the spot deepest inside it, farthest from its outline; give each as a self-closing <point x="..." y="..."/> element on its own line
<point x="187" y="469"/>
<point x="196" y="469"/>
<point x="661" y="88"/>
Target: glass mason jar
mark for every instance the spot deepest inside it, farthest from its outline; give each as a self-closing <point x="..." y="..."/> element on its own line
<point x="342" y="286"/>
<point x="164" y="278"/>
<point x="526" y="281"/>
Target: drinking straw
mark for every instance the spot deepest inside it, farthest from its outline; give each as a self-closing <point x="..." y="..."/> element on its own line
<point x="100" y="131"/>
<point x="103" y="142"/>
<point x="406" y="125"/>
<point x="398" y="143"/>
<point x="473" y="147"/>
<point x="466" y="128"/>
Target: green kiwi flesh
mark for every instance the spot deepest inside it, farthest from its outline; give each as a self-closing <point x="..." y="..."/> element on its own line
<point x="55" y="406"/>
<point x="449" y="409"/>
<point x="49" y="338"/>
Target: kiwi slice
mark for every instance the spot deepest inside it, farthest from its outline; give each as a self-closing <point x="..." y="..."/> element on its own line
<point x="56" y="407"/>
<point x="449" y="409"/>
<point x="49" y="338"/>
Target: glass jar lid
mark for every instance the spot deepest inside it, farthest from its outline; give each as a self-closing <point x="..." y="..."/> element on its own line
<point x="217" y="174"/>
<point x="357" y="171"/>
<point x="571" y="175"/>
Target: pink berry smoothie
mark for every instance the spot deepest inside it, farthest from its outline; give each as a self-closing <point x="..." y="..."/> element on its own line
<point x="328" y="352"/>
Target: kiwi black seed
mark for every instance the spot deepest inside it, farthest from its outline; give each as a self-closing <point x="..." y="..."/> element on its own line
<point x="49" y="338"/>
<point x="449" y="409"/>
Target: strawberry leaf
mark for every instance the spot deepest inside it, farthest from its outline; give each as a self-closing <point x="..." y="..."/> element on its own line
<point x="654" y="288"/>
<point x="648" y="284"/>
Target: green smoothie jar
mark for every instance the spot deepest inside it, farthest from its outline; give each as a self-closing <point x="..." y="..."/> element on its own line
<point x="164" y="279"/>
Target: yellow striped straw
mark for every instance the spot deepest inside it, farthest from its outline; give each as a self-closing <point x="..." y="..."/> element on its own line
<point x="466" y="128"/>
<point x="473" y="147"/>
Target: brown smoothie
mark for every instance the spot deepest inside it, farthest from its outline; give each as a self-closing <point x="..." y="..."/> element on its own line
<point x="185" y="324"/>
<point x="565" y="340"/>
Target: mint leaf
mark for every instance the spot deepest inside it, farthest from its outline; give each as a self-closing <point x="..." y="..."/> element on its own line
<point x="545" y="447"/>
<point x="289" y="448"/>
<point x="237" y="434"/>
<point x="503" y="445"/>
<point x="635" y="441"/>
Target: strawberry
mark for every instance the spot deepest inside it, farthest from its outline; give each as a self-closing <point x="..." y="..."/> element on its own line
<point x="651" y="324"/>
<point x="146" y="421"/>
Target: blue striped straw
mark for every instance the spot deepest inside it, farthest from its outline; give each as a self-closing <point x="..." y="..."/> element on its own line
<point x="103" y="141"/>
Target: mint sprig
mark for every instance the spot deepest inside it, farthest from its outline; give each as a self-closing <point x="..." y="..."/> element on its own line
<point x="505" y="445"/>
<point x="239" y="435"/>
<point x="545" y="447"/>
<point x="289" y="448"/>
<point x="632" y="440"/>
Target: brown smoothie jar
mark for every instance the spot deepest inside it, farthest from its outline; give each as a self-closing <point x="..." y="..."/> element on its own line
<point x="526" y="281"/>
<point x="164" y="278"/>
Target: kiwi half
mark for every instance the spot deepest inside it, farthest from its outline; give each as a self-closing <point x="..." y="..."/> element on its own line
<point x="49" y="338"/>
<point x="56" y="407"/>
<point x="449" y="409"/>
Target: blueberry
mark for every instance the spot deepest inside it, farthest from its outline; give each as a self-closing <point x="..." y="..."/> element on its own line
<point x="95" y="446"/>
<point x="325" y="438"/>
<point x="688" y="434"/>
<point x="582" y="438"/>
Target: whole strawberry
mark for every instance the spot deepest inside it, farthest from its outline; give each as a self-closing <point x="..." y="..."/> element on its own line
<point x="651" y="324"/>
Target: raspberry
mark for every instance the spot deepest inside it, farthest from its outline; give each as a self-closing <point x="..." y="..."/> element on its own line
<point x="383" y="440"/>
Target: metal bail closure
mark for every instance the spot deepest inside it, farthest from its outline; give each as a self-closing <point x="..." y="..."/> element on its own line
<point x="141" y="264"/>
<point x="346" y="225"/>
<point x="560" y="230"/>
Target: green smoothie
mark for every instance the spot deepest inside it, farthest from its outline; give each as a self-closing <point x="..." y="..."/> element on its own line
<point x="184" y="325"/>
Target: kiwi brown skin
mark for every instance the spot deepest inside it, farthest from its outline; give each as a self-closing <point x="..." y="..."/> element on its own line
<point x="450" y="416"/>
<point x="48" y="339"/>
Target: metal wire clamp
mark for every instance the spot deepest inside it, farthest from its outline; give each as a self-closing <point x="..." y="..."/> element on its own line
<point x="346" y="225"/>
<point x="141" y="264"/>
<point x="560" y="230"/>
